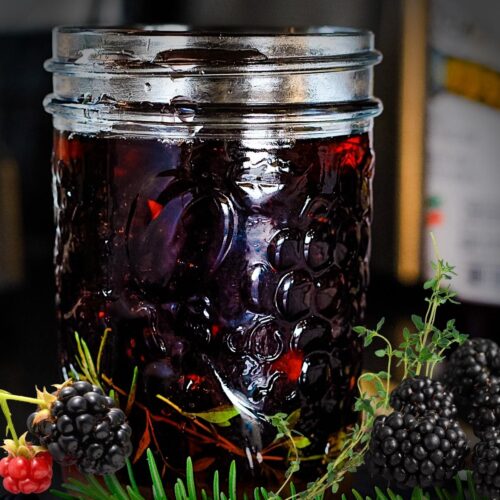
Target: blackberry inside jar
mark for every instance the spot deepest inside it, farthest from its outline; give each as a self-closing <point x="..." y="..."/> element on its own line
<point x="224" y="245"/>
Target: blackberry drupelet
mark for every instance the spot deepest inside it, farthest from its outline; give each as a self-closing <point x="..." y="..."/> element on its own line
<point x="408" y="451"/>
<point x="421" y="395"/>
<point x="486" y="469"/>
<point x="84" y="428"/>
<point x="476" y="363"/>
<point x="484" y="415"/>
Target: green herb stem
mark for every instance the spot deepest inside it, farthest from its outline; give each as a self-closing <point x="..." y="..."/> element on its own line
<point x="390" y="353"/>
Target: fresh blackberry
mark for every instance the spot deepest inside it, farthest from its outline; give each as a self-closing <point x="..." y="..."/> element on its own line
<point x="486" y="465"/>
<point x="421" y="395"/>
<point x="474" y="364"/>
<point x="84" y="428"/>
<point x="484" y="415"/>
<point x="408" y="451"/>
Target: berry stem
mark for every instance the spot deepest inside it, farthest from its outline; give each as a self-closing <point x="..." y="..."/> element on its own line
<point x="8" y="417"/>
<point x="5" y="396"/>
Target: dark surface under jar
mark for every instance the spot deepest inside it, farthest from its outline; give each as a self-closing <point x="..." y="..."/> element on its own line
<point x="230" y="272"/>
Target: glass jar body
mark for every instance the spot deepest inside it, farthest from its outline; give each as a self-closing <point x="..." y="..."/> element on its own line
<point x="226" y="261"/>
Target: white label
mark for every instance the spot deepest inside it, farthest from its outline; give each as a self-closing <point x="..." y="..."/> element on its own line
<point x="463" y="190"/>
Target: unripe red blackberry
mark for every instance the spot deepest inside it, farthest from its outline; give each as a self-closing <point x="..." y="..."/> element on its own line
<point x="484" y="415"/>
<point x="486" y="468"/>
<point x="408" y="451"/>
<point x="84" y="428"/>
<point x="421" y="395"/>
<point x="474" y="364"/>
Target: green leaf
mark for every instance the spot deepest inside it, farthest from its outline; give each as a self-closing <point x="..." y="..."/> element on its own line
<point x="406" y="333"/>
<point x="301" y="442"/>
<point x="380" y="324"/>
<point x="430" y="283"/>
<point x="293" y="419"/>
<point x="380" y="353"/>
<point x="418" y="322"/>
<point x="220" y="416"/>
<point x="367" y="341"/>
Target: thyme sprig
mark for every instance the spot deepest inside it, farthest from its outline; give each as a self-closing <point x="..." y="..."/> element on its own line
<point x="420" y="352"/>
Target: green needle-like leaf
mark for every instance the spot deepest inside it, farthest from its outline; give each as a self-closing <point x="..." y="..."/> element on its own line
<point x="158" y="490"/>
<point x="380" y="494"/>
<point x="471" y="486"/>
<point x="180" y="489"/>
<point x="191" y="488"/>
<point x="97" y="485"/>
<point x="356" y="495"/>
<point x="232" y="481"/>
<point x="216" y="486"/>
<point x="133" y="494"/>
<point x="115" y="487"/>
<point x="60" y="494"/>
<point x="131" y="477"/>
<point x="460" y="489"/>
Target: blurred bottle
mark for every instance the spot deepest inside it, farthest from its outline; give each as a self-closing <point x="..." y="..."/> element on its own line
<point x="11" y="245"/>
<point x="463" y="155"/>
<point x="450" y="153"/>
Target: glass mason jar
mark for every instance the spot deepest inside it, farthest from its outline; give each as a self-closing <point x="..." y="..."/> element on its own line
<point x="213" y="206"/>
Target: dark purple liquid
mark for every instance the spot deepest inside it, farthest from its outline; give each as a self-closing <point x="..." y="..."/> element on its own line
<point x="229" y="273"/>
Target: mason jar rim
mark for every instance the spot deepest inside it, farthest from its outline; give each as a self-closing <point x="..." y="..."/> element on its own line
<point x="229" y="31"/>
<point x="328" y="46"/>
<point x="119" y="77"/>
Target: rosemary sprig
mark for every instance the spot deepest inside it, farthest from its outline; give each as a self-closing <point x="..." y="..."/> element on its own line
<point x="186" y="489"/>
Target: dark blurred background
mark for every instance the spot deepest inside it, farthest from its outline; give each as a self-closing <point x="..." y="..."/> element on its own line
<point x="439" y="82"/>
